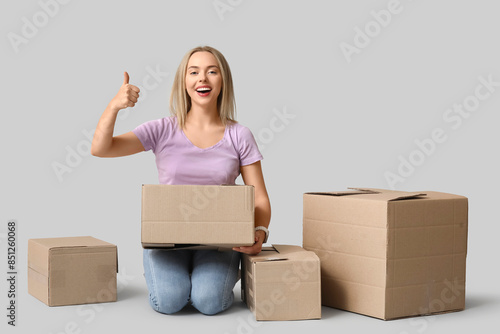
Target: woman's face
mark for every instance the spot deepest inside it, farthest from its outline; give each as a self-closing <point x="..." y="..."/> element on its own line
<point x="203" y="79"/>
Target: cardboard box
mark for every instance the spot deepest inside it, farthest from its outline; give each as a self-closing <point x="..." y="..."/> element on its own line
<point x="74" y="270"/>
<point x="187" y="215"/>
<point x="282" y="283"/>
<point x="389" y="254"/>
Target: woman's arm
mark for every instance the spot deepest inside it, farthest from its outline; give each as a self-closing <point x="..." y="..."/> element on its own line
<point x="103" y="143"/>
<point x="252" y="175"/>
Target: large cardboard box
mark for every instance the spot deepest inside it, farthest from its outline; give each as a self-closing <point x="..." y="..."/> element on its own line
<point x="389" y="254"/>
<point x="72" y="270"/>
<point x="282" y="283"/>
<point x="185" y="215"/>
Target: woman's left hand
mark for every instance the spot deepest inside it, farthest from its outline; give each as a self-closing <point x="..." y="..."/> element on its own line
<point x="257" y="246"/>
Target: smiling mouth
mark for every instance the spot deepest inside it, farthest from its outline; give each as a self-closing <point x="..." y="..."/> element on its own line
<point x="203" y="92"/>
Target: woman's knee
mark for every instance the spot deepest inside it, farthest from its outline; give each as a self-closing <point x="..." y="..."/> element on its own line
<point x="211" y="301"/>
<point x="169" y="301"/>
<point x="213" y="279"/>
<point x="168" y="280"/>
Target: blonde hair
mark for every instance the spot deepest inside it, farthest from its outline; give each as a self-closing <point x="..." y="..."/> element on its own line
<point x="180" y="101"/>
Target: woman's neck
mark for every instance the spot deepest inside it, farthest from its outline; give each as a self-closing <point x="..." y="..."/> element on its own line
<point x="201" y="117"/>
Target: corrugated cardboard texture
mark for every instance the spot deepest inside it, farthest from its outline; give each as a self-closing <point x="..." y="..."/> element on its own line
<point x="73" y="270"/>
<point x="389" y="254"/>
<point x="192" y="214"/>
<point x="282" y="283"/>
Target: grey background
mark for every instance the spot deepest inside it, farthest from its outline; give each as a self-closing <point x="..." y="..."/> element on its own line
<point x="351" y="123"/>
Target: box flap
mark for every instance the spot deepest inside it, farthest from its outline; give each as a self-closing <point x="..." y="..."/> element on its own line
<point x="341" y="193"/>
<point x="72" y="242"/>
<point x="172" y="247"/>
<point x="38" y="259"/>
<point x="381" y="194"/>
<point x="392" y="195"/>
<point x="269" y="253"/>
<point x="280" y="253"/>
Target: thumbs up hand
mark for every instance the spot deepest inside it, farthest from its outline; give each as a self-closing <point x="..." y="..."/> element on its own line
<point x="127" y="95"/>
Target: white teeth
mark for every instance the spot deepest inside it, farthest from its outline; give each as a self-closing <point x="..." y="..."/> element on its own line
<point x="202" y="89"/>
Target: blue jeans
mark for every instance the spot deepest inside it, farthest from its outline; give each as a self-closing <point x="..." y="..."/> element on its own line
<point x="204" y="278"/>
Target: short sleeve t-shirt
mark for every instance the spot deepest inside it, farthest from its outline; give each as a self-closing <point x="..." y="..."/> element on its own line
<point x="181" y="162"/>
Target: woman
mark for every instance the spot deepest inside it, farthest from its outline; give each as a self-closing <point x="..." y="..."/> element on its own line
<point x="200" y="143"/>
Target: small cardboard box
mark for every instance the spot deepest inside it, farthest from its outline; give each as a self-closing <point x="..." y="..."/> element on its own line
<point x="73" y="270"/>
<point x="187" y="215"/>
<point x="282" y="283"/>
<point x="389" y="254"/>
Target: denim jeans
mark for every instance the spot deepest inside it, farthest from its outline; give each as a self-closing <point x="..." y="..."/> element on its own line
<point x="204" y="278"/>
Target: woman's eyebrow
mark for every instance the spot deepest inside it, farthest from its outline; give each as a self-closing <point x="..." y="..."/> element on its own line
<point x="207" y="66"/>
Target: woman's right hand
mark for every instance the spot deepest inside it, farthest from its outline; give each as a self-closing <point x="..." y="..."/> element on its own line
<point x="103" y="143"/>
<point x="127" y="95"/>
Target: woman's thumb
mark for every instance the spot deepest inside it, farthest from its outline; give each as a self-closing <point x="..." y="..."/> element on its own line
<point x="125" y="78"/>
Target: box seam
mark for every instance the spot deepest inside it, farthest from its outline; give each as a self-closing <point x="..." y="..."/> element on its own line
<point x="381" y="258"/>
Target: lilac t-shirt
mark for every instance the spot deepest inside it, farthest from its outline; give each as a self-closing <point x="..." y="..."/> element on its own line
<point x="181" y="162"/>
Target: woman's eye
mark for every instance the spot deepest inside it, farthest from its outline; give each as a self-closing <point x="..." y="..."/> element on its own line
<point x="210" y="72"/>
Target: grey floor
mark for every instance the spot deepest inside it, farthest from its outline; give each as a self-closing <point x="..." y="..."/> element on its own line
<point x="132" y="313"/>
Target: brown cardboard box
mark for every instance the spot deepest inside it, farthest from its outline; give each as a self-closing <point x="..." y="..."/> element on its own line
<point x="181" y="215"/>
<point x="73" y="270"/>
<point x="282" y="283"/>
<point x="389" y="254"/>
